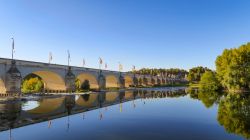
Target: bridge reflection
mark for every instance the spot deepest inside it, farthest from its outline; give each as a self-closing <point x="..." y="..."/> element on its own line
<point x="16" y="114"/>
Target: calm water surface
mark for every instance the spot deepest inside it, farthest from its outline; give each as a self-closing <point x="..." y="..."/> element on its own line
<point x="163" y="113"/>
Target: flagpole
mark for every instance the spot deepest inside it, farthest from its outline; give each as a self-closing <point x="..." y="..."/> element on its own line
<point x="12" y="54"/>
<point x="68" y="57"/>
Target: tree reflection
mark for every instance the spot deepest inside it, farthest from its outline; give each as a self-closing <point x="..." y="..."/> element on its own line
<point x="209" y="98"/>
<point x="193" y="93"/>
<point x="234" y="114"/>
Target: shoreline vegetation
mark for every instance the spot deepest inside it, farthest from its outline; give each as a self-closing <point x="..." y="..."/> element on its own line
<point x="232" y="72"/>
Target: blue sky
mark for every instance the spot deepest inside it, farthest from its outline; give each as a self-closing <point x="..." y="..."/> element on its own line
<point x="144" y="33"/>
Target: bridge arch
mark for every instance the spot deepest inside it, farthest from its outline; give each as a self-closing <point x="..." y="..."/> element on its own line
<point x="48" y="106"/>
<point x="52" y="81"/>
<point x="112" y="96"/>
<point x="145" y="81"/>
<point x="91" y="78"/>
<point x="111" y="81"/>
<point x="152" y="81"/>
<point x="140" y="81"/>
<point x="163" y="81"/>
<point x="129" y="95"/>
<point x="87" y="100"/>
<point x="2" y="86"/>
<point x="128" y="81"/>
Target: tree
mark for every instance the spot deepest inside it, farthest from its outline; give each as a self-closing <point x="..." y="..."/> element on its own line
<point x="209" y="82"/>
<point x="233" y="68"/>
<point x="234" y="114"/>
<point x="78" y="85"/>
<point x="194" y="75"/>
<point x="209" y="98"/>
<point x="32" y="84"/>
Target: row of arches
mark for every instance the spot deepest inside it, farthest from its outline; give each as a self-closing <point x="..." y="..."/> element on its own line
<point x="57" y="82"/>
<point x="54" y="82"/>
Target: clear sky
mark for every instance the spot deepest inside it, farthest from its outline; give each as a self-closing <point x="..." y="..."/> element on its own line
<point x="144" y="33"/>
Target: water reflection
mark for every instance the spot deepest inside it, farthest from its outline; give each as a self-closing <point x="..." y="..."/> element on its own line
<point x="234" y="114"/>
<point x="19" y="113"/>
<point x="207" y="98"/>
<point x="233" y="110"/>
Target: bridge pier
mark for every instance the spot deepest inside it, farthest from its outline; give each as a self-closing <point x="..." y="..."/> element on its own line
<point x="69" y="103"/>
<point x="101" y="81"/>
<point x="163" y="81"/>
<point x="101" y="99"/>
<point x="13" y="80"/>
<point x="135" y="81"/>
<point x="158" y="81"/>
<point x="152" y="81"/>
<point x="121" y="83"/>
<point x="145" y="81"/>
<point x="70" y="81"/>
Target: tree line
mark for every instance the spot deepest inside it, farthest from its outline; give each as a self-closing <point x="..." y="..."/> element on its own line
<point x="171" y="73"/>
<point x="231" y="74"/>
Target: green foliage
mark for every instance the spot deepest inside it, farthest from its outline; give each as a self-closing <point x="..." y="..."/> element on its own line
<point x="194" y="75"/>
<point x="233" y="68"/>
<point x="32" y="84"/>
<point x="209" y="98"/>
<point x="209" y="82"/>
<point x="78" y="84"/>
<point x="234" y="114"/>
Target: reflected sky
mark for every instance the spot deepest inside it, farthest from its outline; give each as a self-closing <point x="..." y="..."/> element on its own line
<point x="30" y="105"/>
<point x="148" y="114"/>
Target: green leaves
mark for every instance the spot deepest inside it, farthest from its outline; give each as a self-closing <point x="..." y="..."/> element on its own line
<point x="209" y="82"/>
<point x="195" y="74"/>
<point x="233" y="68"/>
<point x="32" y="84"/>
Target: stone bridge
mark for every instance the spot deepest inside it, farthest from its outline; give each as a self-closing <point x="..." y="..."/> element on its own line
<point x="61" y="78"/>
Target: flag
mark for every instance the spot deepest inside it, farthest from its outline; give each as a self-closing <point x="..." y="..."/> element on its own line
<point x="100" y="60"/>
<point x="106" y="65"/>
<point x="120" y="67"/>
<point x="83" y="62"/>
<point x="133" y="68"/>
<point x="50" y="57"/>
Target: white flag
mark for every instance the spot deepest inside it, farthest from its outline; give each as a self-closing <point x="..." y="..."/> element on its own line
<point x="133" y="69"/>
<point x="100" y="60"/>
<point x="50" y="57"/>
<point x="106" y="65"/>
<point x="120" y="67"/>
<point x="83" y="62"/>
